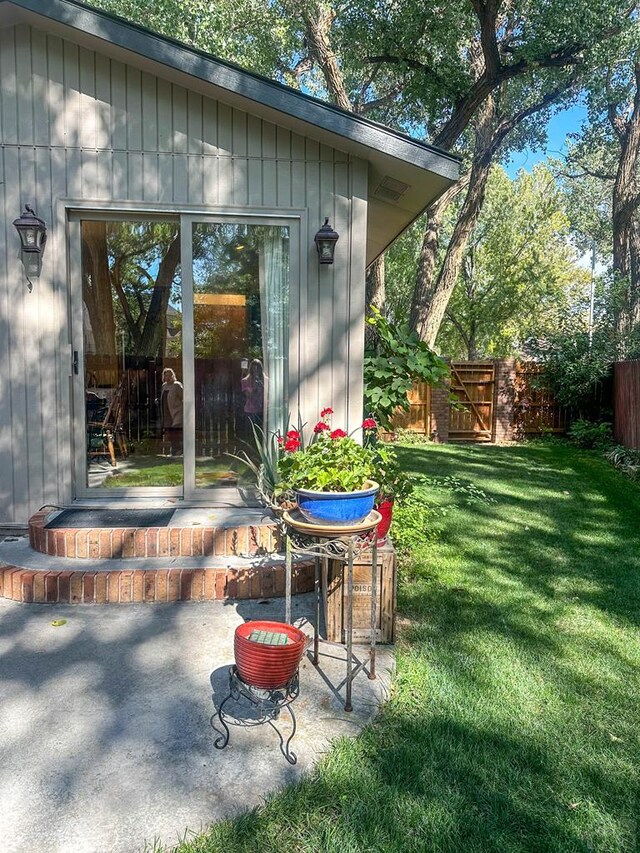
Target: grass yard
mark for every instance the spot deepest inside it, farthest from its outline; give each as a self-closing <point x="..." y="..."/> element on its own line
<point x="514" y="723"/>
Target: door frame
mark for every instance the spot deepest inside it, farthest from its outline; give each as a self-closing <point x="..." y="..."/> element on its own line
<point x="186" y="215"/>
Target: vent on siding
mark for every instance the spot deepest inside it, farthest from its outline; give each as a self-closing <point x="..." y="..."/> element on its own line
<point x="390" y="189"/>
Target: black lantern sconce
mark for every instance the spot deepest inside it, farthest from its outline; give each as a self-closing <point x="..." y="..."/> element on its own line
<point x="33" y="236"/>
<point x="325" y="240"/>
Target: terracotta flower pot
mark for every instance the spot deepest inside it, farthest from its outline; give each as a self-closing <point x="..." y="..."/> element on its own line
<point x="268" y="666"/>
<point x="385" y="508"/>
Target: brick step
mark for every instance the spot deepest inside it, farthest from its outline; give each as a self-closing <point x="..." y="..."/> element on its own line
<point x="193" y="540"/>
<point x="155" y="585"/>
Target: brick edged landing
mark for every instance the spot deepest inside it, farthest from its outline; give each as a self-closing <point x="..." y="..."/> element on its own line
<point x="151" y="585"/>
<point x="93" y="543"/>
<point x="212" y="559"/>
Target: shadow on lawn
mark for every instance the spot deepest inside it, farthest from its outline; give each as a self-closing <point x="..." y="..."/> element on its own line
<point x="565" y="525"/>
<point x="513" y="722"/>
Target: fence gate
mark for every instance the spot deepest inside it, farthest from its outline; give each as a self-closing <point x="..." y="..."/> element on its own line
<point x="472" y="384"/>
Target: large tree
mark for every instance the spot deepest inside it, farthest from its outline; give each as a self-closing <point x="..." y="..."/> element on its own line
<point x="468" y="76"/>
<point x="602" y="169"/>
<point x="519" y="277"/>
<point x="443" y="72"/>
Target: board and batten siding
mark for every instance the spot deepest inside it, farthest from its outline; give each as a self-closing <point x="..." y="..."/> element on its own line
<point x="77" y="125"/>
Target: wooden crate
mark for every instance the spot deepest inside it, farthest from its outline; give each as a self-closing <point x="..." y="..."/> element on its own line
<point x="335" y="597"/>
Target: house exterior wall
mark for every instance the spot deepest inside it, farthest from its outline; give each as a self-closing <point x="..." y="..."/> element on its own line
<point x="79" y="126"/>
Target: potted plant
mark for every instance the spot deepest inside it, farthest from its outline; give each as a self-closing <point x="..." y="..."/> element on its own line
<point x="268" y="654"/>
<point x="332" y="477"/>
<point x="395" y="485"/>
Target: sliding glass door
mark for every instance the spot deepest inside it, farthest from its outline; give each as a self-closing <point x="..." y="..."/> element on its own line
<point x="183" y="353"/>
<point x="237" y="346"/>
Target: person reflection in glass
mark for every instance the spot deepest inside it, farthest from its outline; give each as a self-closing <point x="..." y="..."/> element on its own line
<point x="253" y="390"/>
<point x="171" y="399"/>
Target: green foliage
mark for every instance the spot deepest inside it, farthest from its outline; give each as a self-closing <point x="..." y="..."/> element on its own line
<point x="625" y="459"/>
<point x="519" y="274"/>
<point x="250" y="32"/>
<point x="400" y="360"/>
<point x="589" y="435"/>
<point x="265" y="468"/>
<point x="394" y="483"/>
<point x="327" y="465"/>
<point x="418" y="520"/>
<point x="408" y="436"/>
<point x="574" y="366"/>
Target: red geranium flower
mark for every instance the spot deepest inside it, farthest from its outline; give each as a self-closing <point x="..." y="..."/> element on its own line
<point x="369" y="423"/>
<point x="280" y="440"/>
<point x="291" y="445"/>
<point x="338" y="433"/>
<point x="325" y="412"/>
<point x="293" y="433"/>
<point x="321" y="426"/>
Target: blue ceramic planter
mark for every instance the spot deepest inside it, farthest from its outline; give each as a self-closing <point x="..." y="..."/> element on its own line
<point x="339" y="508"/>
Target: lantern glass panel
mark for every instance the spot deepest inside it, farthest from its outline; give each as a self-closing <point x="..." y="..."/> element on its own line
<point x="30" y="237"/>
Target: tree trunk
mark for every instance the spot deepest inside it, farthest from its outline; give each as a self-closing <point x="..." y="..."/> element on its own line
<point x="425" y="275"/>
<point x="472" y="350"/>
<point x="153" y="333"/>
<point x="634" y="271"/>
<point x="428" y="313"/>
<point x="375" y="296"/>
<point x="96" y="286"/>
<point x="318" y="22"/>
<point x="625" y="200"/>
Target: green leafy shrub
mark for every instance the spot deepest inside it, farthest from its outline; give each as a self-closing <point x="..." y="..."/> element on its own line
<point x="408" y="436"/>
<point x="416" y="522"/>
<point x="394" y="483"/>
<point x="625" y="459"/>
<point x="401" y="359"/>
<point x="590" y="435"/>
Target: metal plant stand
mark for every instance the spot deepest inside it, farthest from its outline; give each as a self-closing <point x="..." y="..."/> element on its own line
<point x="337" y="543"/>
<point x="267" y="703"/>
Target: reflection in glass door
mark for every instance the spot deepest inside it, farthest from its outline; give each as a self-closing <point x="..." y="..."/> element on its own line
<point x="132" y="345"/>
<point x="240" y="343"/>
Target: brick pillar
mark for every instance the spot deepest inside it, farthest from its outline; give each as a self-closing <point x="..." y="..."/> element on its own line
<point x="504" y="399"/>
<point x="439" y="429"/>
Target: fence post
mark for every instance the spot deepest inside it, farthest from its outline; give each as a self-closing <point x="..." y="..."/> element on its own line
<point x="503" y="409"/>
<point x="439" y="429"/>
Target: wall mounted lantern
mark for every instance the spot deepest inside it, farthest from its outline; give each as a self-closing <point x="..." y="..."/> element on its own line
<point x="325" y="240"/>
<point x="33" y="236"/>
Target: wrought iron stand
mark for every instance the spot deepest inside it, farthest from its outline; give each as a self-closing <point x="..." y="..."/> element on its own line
<point x="343" y="544"/>
<point x="268" y="704"/>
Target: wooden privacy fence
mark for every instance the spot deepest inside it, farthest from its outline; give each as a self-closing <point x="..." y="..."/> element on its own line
<point x="492" y="401"/>
<point x="534" y="407"/>
<point x="627" y="403"/>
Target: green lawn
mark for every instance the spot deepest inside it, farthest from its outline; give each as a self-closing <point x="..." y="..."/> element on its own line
<point x="514" y="722"/>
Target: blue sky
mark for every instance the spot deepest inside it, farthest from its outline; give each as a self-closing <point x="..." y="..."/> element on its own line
<point x="564" y="122"/>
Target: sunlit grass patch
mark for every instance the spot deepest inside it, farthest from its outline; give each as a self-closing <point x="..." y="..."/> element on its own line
<point x="513" y="720"/>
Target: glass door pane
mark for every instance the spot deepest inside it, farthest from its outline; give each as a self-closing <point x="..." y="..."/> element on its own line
<point x="132" y="343"/>
<point x="240" y="344"/>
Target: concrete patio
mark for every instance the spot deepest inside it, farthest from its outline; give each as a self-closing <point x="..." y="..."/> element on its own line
<point x="105" y="739"/>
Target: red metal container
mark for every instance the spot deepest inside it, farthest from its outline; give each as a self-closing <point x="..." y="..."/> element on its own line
<point x="386" y="511"/>
<point x="266" y="666"/>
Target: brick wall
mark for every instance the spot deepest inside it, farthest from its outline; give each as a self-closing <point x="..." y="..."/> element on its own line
<point x="504" y="398"/>
<point x="440" y="414"/>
